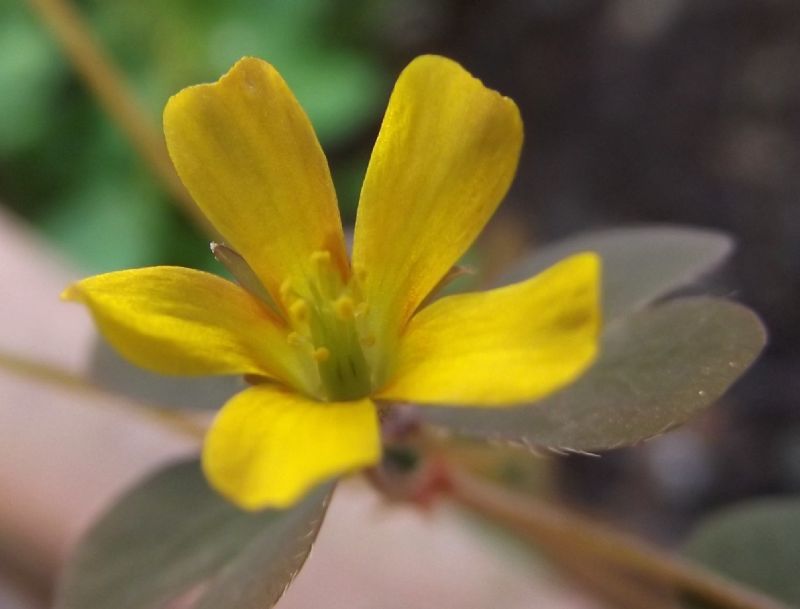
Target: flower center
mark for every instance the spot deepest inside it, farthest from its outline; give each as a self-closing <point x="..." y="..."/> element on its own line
<point x="328" y="318"/>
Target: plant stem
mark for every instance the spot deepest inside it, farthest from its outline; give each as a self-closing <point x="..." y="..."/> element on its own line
<point x="110" y="89"/>
<point x="52" y="375"/>
<point x="609" y="583"/>
<point x="566" y="531"/>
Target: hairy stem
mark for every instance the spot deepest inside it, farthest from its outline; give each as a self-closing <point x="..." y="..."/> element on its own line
<point x="565" y="531"/>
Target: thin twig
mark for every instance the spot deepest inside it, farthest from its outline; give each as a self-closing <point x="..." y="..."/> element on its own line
<point x="559" y="527"/>
<point x="52" y="375"/>
<point x="608" y="583"/>
<point x="116" y="98"/>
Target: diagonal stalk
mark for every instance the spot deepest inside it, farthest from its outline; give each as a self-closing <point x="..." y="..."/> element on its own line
<point x="610" y="584"/>
<point x="52" y="375"/>
<point x="565" y="531"/>
<point x="113" y="94"/>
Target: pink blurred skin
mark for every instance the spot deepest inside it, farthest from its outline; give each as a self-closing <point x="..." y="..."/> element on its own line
<point x="64" y="456"/>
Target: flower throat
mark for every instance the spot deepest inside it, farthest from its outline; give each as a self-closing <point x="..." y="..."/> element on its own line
<point x="327" y="315"/>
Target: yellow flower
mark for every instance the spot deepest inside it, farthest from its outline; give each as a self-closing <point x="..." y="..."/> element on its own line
<point x="330" y="333"/>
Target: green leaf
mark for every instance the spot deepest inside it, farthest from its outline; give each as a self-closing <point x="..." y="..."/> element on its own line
<point x="172" y="533"/>
<point x="639" y="264"/>
<point x="756" y="543"/>
<point x="657" y="368"/>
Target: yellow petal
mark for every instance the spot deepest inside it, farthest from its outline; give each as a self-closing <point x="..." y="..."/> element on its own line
<point x="248" y="155"/>
<point x="268" y="446"/>
<point x="510" y="345"/>
<point x="180" y="321"/>
<point x="445" y="157"/>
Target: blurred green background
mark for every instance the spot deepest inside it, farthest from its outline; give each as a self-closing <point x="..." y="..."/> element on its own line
<point x="635" y="111"/>
<point x="69" y="170"/>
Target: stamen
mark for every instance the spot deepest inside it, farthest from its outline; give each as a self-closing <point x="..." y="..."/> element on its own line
<point x="286" y="289"/>
<point x="299" y="311"/>
<point x="345" y="308"/>
<point x="321" y="354"/>
<point x="321" y="256"/>
<point x="325" y="311"/>
<point x="295" y="340"/>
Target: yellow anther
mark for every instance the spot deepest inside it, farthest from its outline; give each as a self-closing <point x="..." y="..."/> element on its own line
<point x="321" y="257"/>
<point x="299" y="310"/>
<point x="345" y="307"/>
<point x="321" y="354"/>
<point x="286" y="289"/>
<point x="368" y="341"/>
<point x="295" y="340"/>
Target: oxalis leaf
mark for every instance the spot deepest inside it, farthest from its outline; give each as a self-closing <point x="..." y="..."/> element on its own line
<point x="756" y="543"/>
<point x="657" y="368"/>
<point x="640" y="264"/>
<point x="172" y="534"/>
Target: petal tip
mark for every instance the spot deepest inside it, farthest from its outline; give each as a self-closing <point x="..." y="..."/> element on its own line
<point x="269" y="447"/>
<point x="502" y="104"/>
<point x="71" y="293"/>
<point x="589" y="264"/>
<point x="243" y="67"/>
<point x="432" y="63"/>
<point x="592" y="260"/>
